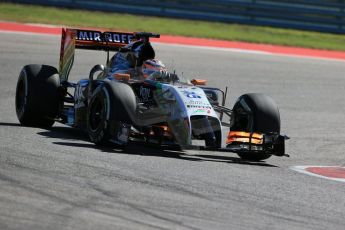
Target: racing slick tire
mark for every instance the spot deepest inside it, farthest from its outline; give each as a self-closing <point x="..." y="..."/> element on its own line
<point x="37" y="98"/>
<point x="265" y="119"/>
<point x="111" y="103"/>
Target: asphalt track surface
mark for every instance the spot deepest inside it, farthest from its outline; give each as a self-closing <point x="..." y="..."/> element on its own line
<point x="56" y="179"/>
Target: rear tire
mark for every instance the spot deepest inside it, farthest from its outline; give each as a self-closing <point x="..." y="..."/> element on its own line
<point x="265" y="119"/>
<point x="37" y="99"/>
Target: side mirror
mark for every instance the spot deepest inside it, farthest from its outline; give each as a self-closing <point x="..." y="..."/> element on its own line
<point x="95" y="69"/>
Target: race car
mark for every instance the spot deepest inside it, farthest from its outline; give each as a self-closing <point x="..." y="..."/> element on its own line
<point x="128" y="100"/>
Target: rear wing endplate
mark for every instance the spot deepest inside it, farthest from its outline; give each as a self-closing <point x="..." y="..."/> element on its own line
<point x="72" y="39"/>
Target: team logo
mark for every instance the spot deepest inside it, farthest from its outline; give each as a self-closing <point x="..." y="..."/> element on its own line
<point x="191" y="94"/>
<point x="97" y="36"/>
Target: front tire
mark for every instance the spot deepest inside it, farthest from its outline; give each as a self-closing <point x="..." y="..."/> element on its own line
<point x="37" y="99"/>
<point x="97" y="121"/>
<point x="264" y="118"/>
<point x="111" y="107"/>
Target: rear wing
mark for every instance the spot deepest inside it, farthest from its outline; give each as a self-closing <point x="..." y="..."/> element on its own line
<point x="72" y="39"/>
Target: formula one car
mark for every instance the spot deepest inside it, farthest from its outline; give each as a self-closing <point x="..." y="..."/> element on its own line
<point x="125" y="105"/>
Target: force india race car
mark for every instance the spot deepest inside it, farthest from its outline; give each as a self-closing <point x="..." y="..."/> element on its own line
<point x="127" y="106"/>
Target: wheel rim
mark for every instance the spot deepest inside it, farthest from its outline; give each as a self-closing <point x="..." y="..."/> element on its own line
<point x="96" y="114"/>
<point x="20" y="96"/>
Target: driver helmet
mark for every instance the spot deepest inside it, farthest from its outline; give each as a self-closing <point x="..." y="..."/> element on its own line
<point x="152" y="65"/>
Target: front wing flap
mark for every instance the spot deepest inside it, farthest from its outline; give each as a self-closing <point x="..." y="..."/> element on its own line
<point x="273" y="145"/>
